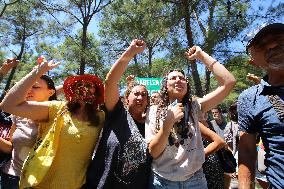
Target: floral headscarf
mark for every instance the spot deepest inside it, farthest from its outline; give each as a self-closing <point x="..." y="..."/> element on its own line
<point x="87" y="88"/>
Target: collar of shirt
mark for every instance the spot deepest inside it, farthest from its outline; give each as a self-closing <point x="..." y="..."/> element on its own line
<point x="266" y="89"/>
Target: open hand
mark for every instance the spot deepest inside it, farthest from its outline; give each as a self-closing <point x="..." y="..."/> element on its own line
<point x="253" y="78"/>
<point x="46" y="66"/>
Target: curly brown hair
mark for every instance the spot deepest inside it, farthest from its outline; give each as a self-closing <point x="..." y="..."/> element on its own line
<point x="165" y="102"/>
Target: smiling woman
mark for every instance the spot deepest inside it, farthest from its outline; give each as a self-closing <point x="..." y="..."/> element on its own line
<point x="23" y="134"/>
<point x="122" y="159"/>
<point x="172" y="129"/>
<point x="51" y="162"/>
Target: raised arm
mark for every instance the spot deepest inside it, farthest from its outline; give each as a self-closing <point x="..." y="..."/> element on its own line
<point x="15" y="100"/>
<point x="225" y="79"/>
<point x="7" y="66"/>
<point x="117" y="70"/>
<point x="59" y="90"/>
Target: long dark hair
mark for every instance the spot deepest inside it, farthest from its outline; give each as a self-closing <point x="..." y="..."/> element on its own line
<point x="165" y="101"/>
<point x="50" y="85"/>
<point x="91" y="111"/>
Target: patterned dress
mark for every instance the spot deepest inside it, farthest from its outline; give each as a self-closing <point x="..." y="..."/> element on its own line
<point x="213" y="171"/>
<point x="122" y="159"/>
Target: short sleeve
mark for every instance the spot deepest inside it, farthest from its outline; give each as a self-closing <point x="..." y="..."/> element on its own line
<point x="150" y="124"/>
<point x="117" y="114"/>
<point x="118" y="109"/>
<point x="54" y="107"/>
<point x="245" y="106"/>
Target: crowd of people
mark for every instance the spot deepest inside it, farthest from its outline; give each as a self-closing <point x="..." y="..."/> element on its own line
<point x="171" y="140"/>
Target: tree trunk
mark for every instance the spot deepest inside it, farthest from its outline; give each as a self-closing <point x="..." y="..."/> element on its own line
<point x="209" y="49"/>
<point x="193" y="66"/>
<point x="209" y="44"/>
<point x="150" y="49"/>
<point x="84" y="47"/>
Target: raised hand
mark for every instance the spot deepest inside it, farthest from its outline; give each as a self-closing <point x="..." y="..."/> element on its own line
<point x="8" y="65"/>
<point x="136" y="46"/>
<point x="253" y="78"/>
<point x="130" y="78"/>
<point x="46" y="66"/>
<point x="193" y="53"/>
<point x="41" y="59"/>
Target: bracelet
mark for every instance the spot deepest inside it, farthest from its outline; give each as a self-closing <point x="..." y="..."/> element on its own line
<point x="209" y="67"/>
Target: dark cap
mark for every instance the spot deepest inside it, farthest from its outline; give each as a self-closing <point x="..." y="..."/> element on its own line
<point x="262" y="30"/>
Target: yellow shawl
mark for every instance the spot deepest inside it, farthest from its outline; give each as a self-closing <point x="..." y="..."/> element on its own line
<point x="41" y="156"/>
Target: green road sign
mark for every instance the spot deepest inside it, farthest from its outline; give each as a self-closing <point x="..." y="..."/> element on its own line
<point x="152" y="84"/>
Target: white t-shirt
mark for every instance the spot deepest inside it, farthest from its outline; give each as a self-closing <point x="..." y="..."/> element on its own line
<point x="178" y="163"/>
<point x="24" y="139"/>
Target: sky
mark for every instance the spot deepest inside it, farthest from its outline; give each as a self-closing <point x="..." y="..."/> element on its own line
<point x="235" y="45"/>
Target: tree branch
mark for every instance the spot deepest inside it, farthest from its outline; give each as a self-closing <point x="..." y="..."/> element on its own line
<point x="99" y="8"/>
<point x="203" y="29"/>
<point x="6" y="5"/>
<point x="59" y="9"/>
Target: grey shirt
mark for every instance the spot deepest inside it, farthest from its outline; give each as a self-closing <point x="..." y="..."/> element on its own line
<point x="178" y="163"/>
<point x="23" y="140"/>
<point x="219" y="129"/>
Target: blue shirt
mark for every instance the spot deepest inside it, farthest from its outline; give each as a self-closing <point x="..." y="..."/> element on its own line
<point x="257" y="115"/>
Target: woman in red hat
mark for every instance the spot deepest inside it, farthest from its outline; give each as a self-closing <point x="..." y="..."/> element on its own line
<point x="67" y="132"/>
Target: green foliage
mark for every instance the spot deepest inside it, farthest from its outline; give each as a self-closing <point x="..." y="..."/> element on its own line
<point x="73" y="54"/>
<point x="32" y="28"/>
<point x="69" y="54"/>
<point x="229" y="21"/>
<point x="82" y="12"/>
<point x="162" y="66"/>
<point x="22" y="22"/>
<point x="126" y="20"/>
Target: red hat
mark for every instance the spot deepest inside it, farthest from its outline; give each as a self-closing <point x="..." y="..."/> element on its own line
<point x="87" y="88"/>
